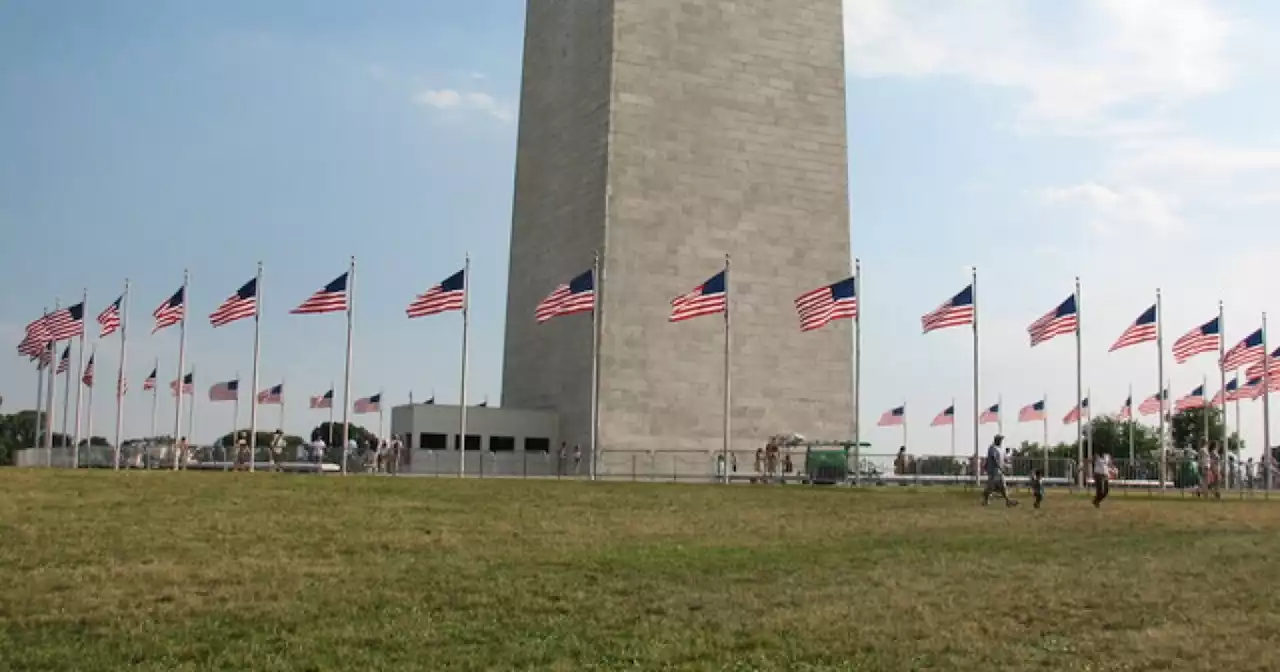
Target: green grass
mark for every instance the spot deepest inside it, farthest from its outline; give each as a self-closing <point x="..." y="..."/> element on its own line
<point x="197" y="571"/>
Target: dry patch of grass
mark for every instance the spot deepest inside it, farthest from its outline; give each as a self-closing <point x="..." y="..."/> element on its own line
<point x="162" y="571"/>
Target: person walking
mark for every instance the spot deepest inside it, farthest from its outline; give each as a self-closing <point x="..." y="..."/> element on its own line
<point x="1102" y="470"/>
<point x="577" y="458"/>
<point x="995" y="473"/>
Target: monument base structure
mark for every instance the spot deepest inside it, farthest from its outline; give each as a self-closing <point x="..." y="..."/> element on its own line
<point x="666" y="134"/>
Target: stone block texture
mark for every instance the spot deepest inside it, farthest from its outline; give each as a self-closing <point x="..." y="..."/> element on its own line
<point x="670" y="133"/>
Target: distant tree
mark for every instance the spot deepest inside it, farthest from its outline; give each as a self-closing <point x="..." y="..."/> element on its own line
<point x="1187" y="429"/>
<point x="358" y="433"/>
<point x="95" y="441"/>
<point x="1111" y="434"/>
<point x="263" y="438"/>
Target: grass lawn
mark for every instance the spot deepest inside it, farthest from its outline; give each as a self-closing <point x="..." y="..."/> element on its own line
<point x="200" y="571"/>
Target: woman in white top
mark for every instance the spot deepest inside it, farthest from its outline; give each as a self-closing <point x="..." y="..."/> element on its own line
<point x="1101" y="478"/>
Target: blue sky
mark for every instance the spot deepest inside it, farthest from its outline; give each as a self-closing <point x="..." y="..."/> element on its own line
<point x="1129" y="143"/>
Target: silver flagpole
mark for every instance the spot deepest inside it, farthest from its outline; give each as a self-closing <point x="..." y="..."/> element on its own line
<point x="1045" y="419"/>
<point x="124" y="330"/>
<point x="857" y="360"/>
<point x="191" y="419"/>
<point x="977" y="413"/>
<point x="182" y="363"/>
<point x="596" y="283"/>
<point x="66" y="398"/>
<point x="1089" y="410"/>
<point x="1131" y="425"/>
<point x="1000" y="413"/>
<point x="727" y="371"/>
<point x="252" y="442"/>
<point x="1160" y="383"/>
<point x="40" y="376"/>
<point x="50" y="411"/>
<point x="1204" y="410"/>
<point x="75" y="446"/>
<point x="346" y="394"/>
<point x="235" y="424"/>
<point x="88" y="432"/>
<point x="1079" y="387"/>
<point x="1266" y="407"/>
<point x="462" y="395"/>
<point x="155" y="398"/>
<point x="1226" y="473"/>
<point x="281" y="427"/>
<point x="904" y="425"/>
<point x="953" y="429"/>
<point x="331" y="413"/>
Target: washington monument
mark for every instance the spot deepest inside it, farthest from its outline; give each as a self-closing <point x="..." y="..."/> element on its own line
<point x="667" y="134"/>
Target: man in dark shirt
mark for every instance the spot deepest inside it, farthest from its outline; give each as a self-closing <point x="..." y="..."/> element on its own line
<point x="995" y="473"/>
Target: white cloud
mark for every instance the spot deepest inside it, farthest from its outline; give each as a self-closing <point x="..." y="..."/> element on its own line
<point x="1097" y="58"/>
<point x="465" y="102"/>
<point x="1112" y="211"/>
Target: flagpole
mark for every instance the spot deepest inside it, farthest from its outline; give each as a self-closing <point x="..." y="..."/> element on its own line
<point x="953" y="429"/>
<point x="728" y="380"/>
<point x="597" y="283"/>
<point x="462" y="394"/>
<point x="1266" y="405"/>
<point x="330" y="412"/>
<point x="1160" y="384"/>
<point x="191" y="417"/>
<point x="1079" y="385"/>
<point x="252" y="391"/>
<point x="281" y="427"/>
<point x="75" y="449"/>
<point x="40" y="376"/>
<point x="346" y="394"/>
<point x="88" y="434"/>
<point x="976" y="389"/>
<point x="857" y="359"/>
<point x="1226" y="478"/>
<point x="49" y="393"/>
<point x="1045" y="419"/>
<point x="1000" y="413"/>
<point x="124" y="330"/>
<point x="66" y="397"/>
<point x="182" y="363"/>
<point x="235" y="420"/>
<point x="904" y="424"/>
<point x="1131" y="425"/>
<point x="155" y="403"/>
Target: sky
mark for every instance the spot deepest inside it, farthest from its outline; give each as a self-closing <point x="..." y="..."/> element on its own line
<point x="1130" y="144"/>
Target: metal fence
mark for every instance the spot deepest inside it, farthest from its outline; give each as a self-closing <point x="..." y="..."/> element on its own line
<point x="794" y="464"/>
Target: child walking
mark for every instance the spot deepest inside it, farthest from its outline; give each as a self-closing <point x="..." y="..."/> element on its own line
<point x="1037" y="486"/>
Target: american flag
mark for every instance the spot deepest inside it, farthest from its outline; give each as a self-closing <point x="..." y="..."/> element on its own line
<point x="956" y="312"/>
<point x="705" y="299"/>
<point x="238" y="306"/>
<point x="1126" y="412"/>
<point x="1195" y="399"/>
<point x="990" y="416"/>
<point x="1254" y="389"/>
<point x="837" y="301"/>
<point x="579" y="296"/>
<point x="893" y="416"/>
<point x="228" y="391"/>
<point x="110" y="318"/>
<point x="448" y="295"/>
<point x="188" y="385"/>
<point x="150" y="382"/>
<point x="66" y="323"/>
<point x="1245" y="352"/>
<point x="946" y="417"/>
<point x="368" y="404"/>
<point x="1228" y="393"/>
<point x="46" y="356"/>
<point x="37" y="336"/>
<point x="323" y="401"/>
<point x="64" y="362"/>
<point x="1074" y="415"/>
<point x="1061" y="320"/>
<point x="272" y="395"/>
<point x="1204" y="338"/>
<point x="1142" y="330"/>
<point x="122" y="384"/>
<point x="1268" y="364"/>
<point x="1032" y="412"/>
<point x="87" y="376"/>
<point x="172" y="311"/>
<point x="332" y="298"/>
<point x="1154" y="403"/>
